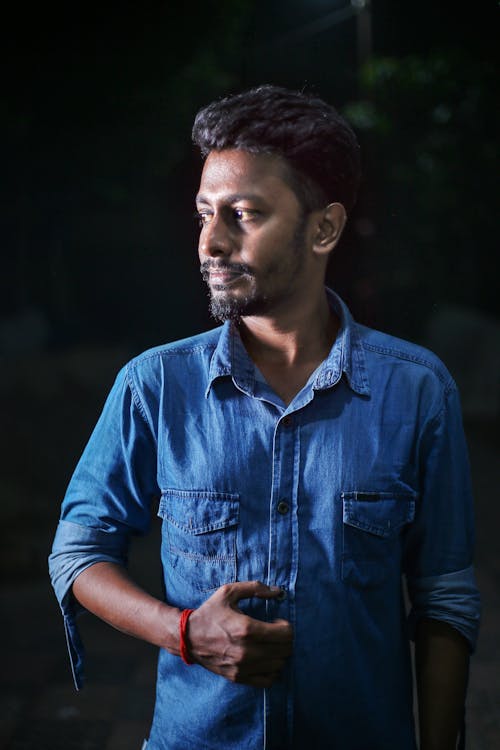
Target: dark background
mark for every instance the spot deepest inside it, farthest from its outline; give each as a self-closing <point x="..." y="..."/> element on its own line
<point x="98" y="243"/>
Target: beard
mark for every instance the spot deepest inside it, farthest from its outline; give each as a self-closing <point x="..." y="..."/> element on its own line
<point x="224" y="305"/>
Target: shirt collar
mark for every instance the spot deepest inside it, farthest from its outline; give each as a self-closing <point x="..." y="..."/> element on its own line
<point x="346" y="356"/>
<point x="230" y="359"/>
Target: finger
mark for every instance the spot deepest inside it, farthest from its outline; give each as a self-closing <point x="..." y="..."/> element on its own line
<point x="258" y="654"/>
<point x="278" y="631"/>
<point x="233" y="592"/>
<point x="245" y="672"/>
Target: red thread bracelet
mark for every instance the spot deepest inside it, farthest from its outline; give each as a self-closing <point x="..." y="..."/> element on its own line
<point x="183" y="638"/>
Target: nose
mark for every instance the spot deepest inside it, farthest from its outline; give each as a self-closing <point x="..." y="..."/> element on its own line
<point x="215" y="238"/>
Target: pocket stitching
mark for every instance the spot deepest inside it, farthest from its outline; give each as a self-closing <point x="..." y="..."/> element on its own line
<point x="231" y="510"/>
<point x="225" y="503"/>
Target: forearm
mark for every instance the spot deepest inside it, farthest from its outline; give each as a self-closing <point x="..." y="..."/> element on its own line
<point x="442" y="660"/>
<point x="106" y="590"/>
<point x="222" y="639"/>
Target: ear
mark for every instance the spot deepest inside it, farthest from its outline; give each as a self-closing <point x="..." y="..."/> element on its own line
<point x="330" y="224"/>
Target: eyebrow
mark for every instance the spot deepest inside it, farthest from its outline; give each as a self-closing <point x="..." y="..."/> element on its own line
<point x="232" y="198"/>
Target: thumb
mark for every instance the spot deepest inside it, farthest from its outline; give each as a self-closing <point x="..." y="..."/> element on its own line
<point x="248" y="589"/>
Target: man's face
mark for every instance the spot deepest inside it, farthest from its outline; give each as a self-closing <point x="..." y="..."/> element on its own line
<point x="253" y="239"/>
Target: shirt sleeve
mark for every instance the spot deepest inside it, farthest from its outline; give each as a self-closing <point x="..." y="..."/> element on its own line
<point x="107" y="500"/>
<point x="439" y="545"/>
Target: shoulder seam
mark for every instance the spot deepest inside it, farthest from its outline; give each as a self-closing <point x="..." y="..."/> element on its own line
<point x="448" y="383"/>
<point x="169" y="352"/>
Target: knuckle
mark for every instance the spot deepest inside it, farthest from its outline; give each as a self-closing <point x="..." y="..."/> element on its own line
<point x="225" y="589"/>
<point x="242" y="631"/>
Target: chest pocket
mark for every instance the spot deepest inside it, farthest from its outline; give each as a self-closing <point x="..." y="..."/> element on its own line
<point x="373" y="523"/>
<point x="199" y="536"/>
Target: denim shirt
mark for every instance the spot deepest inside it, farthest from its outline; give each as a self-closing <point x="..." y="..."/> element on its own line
<point x="355" y="499"/>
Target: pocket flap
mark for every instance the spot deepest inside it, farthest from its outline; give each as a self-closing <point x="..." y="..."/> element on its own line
<point x="381" y="513"/>
<point x="199" y="511"/>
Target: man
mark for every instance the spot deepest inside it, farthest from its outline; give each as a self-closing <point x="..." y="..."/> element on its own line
<point x="305" y="465"/>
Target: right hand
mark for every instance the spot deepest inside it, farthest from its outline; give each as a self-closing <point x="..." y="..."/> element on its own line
<point x="240" y="648"/>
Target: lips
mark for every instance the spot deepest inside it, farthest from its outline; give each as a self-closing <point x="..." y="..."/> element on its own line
<point x="222" y="276"/>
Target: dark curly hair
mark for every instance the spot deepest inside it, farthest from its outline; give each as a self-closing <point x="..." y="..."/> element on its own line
<point x="317" y="143"/>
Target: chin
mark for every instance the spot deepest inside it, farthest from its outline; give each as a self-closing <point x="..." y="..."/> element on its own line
<point x="228" y="307"/>
<point x="224" y="306"/>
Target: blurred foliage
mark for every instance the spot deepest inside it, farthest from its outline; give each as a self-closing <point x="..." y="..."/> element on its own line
<point x="428" y="127"/>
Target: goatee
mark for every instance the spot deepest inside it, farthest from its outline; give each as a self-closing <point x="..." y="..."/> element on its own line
<point x="223" y="306"/>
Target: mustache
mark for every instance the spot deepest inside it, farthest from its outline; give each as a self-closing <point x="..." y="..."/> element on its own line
<point x="218" y="265"/>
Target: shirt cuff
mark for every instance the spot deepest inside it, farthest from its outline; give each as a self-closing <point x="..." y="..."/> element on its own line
<point x="75" y="549"/>
<point x="450" y="597"/>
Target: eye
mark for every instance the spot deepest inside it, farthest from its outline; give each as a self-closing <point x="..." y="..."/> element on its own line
<point x="202" y="217"/>
<point x="244" y="214"/>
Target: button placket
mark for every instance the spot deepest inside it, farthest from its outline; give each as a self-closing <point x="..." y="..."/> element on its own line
<point x="282" y="555"/>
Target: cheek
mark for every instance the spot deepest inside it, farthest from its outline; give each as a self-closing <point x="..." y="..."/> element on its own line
<point x="201" y="247"/>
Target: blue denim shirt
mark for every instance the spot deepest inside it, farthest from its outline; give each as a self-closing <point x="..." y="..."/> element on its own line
<point x="353" y="493"/>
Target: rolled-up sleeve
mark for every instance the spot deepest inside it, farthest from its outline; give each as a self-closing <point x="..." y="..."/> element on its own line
<point x="108" y="499"/>
<point x="440" y="544"/>
<point x="452" y="598"/>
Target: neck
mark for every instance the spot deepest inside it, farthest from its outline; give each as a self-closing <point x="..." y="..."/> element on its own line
<point x="303" y="336"/>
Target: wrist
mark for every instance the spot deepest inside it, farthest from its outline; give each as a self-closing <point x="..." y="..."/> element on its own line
<point x="168" y="626"/>
<point x="184" y="644"/>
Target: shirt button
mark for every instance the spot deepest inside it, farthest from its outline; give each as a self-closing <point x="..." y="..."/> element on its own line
<point x="283" y="507"/>
<point x="281" y="596"/>
<point x="287" y="421"/>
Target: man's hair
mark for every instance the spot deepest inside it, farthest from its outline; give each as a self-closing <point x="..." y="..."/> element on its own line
<point x="317" y="143"/>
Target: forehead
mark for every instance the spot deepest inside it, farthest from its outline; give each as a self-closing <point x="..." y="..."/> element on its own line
<point x="234" y="172"/>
